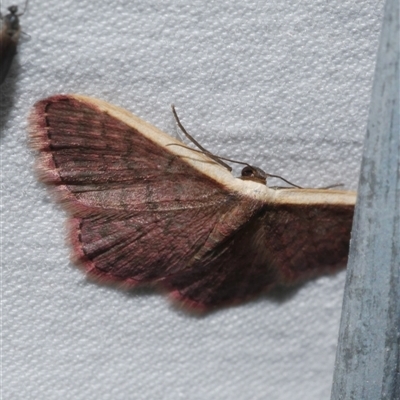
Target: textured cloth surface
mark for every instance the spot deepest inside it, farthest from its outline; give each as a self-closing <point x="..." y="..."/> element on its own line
<point x="282" y="85"/>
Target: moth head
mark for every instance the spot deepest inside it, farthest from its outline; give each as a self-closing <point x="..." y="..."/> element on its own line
<point x="254" y="174"/>
<point x="13" y="9"/>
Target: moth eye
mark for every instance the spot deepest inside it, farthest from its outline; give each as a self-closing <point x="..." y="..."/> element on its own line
<point x="248" y="171"/>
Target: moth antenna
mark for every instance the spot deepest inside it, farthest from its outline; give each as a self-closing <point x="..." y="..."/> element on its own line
<point x="219" y="157"/>
<point x="285" y="180"/>
<point x="25" y="8"/>
<point x="196" y="143"/>
<point x="257" y="172"/>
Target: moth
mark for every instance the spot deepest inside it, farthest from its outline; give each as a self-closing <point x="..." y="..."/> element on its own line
<point x="144" y="209"/>
<point x="9" y="36"/>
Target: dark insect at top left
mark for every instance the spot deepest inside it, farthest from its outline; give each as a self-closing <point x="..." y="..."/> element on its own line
<point x="9" y="35"/>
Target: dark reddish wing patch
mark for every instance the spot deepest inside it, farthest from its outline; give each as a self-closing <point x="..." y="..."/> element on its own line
<point x="305" y="241"/>
<point x="142" y="215"/>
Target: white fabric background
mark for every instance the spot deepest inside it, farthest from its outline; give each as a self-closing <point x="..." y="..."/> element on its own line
<point x="282" y="84"/>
